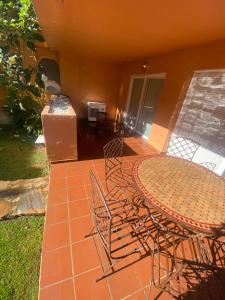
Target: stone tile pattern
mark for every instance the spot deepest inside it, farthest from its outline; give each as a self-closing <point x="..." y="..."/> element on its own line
<point x="70" y="264"/>
<point x="23" y="197"/>
<point x="202" y="117"/>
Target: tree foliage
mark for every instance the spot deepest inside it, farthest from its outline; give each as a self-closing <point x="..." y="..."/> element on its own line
<point x="19" y="31"/>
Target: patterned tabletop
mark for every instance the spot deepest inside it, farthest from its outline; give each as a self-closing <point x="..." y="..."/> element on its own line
<point x="184" y="191"/>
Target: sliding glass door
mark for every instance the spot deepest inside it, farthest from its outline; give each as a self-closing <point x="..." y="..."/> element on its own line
<point x="145" y="92"/>
<point x="134" y="101"/>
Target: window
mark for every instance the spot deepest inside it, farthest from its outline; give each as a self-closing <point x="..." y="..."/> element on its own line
<point x="202" y="117"/>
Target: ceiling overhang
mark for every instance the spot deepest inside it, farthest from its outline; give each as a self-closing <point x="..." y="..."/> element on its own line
<point x="125" y="30"/>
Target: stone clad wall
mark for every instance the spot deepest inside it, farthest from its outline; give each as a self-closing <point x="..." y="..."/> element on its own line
<point x="202" y="117"/>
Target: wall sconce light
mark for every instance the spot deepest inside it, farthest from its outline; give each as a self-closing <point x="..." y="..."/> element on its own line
<point x="145" y="66"/>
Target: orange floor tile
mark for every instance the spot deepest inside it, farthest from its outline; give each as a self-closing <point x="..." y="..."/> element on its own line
<point x="70" y="263"/>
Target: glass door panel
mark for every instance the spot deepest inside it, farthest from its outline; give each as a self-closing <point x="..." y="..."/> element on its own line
<point x="153" y="88"/>
<point x="135" y="98"/>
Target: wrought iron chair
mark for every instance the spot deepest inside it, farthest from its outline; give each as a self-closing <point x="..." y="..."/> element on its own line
<point x="182" y="260"/>
<point x="182" y="147"/>
<point x="119" y="181"/>
<point x="116" y="177"/>
<point x="208" y="165"/>
<point x="180" y="266"/>
<point x="186" y="148"/>
<point x="121" y="231"/>
<point x="175" y="254"/>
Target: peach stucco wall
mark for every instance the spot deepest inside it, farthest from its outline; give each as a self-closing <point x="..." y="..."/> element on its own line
<point x="179" y="67"/>
<point x="43" y="52"/>
<point x="32" y="59"/>
<point x="83" y="79"/>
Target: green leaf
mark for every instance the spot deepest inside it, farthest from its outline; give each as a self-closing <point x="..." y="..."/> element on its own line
<point x="18" y="23"/>
<point x="34" y="90"/>
<point x="27" y="74"/>
<point x="31" y="105"/>
<point x="5" y="49"/>
<point x="31" y="45"/>
<point x="40" y="83"/>
<point x="21" y="106"/>
<point x="39" y="37"/>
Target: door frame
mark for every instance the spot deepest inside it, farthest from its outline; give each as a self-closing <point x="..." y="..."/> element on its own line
<point x="145" y="77"/>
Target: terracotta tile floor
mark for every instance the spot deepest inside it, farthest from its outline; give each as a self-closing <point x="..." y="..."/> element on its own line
<point x="70" y="263"/>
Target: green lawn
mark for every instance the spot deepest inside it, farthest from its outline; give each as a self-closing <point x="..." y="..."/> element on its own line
<point x="20" y="239"/>
<point x="20" y="250"/>
<point x="19" y="158"/>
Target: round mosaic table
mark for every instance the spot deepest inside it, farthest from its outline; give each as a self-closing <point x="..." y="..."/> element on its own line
<point x="183" y="191"/>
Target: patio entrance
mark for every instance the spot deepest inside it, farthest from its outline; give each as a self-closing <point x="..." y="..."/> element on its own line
<point x="144" y="95"/>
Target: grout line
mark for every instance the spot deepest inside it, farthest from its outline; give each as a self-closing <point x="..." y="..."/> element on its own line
<point x="134" y="293"/>
<point x="107" y="282"/>
<point x="66" y="187"/>
<point x="81" y="217"/>
<point x="76" y="218"/>
<point x="53" y="224"/>
<point x="85" y="198"/>
<point x="102" y="266"/>
<point x="70" y="241"/>
<point x="82" y="240"/>
<point x="57" y="248"/>
<point x="55" y="283"/>
<point x="56" y="204"/>
<point x="85" y="272"/>
<point x="138" y="277"/>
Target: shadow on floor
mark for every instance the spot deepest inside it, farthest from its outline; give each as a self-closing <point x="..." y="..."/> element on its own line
<point x="210" y="287"/>
<point x="200" y="261"/>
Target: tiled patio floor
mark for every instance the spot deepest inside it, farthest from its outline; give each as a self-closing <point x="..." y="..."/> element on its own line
<point x="70" y="263"/>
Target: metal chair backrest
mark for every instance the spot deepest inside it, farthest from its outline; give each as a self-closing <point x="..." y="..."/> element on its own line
<point x="102" y="215"/>
<point x="182" y="147"/>
<point x="113" y="151"/>
<point x="208" y="165"/>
